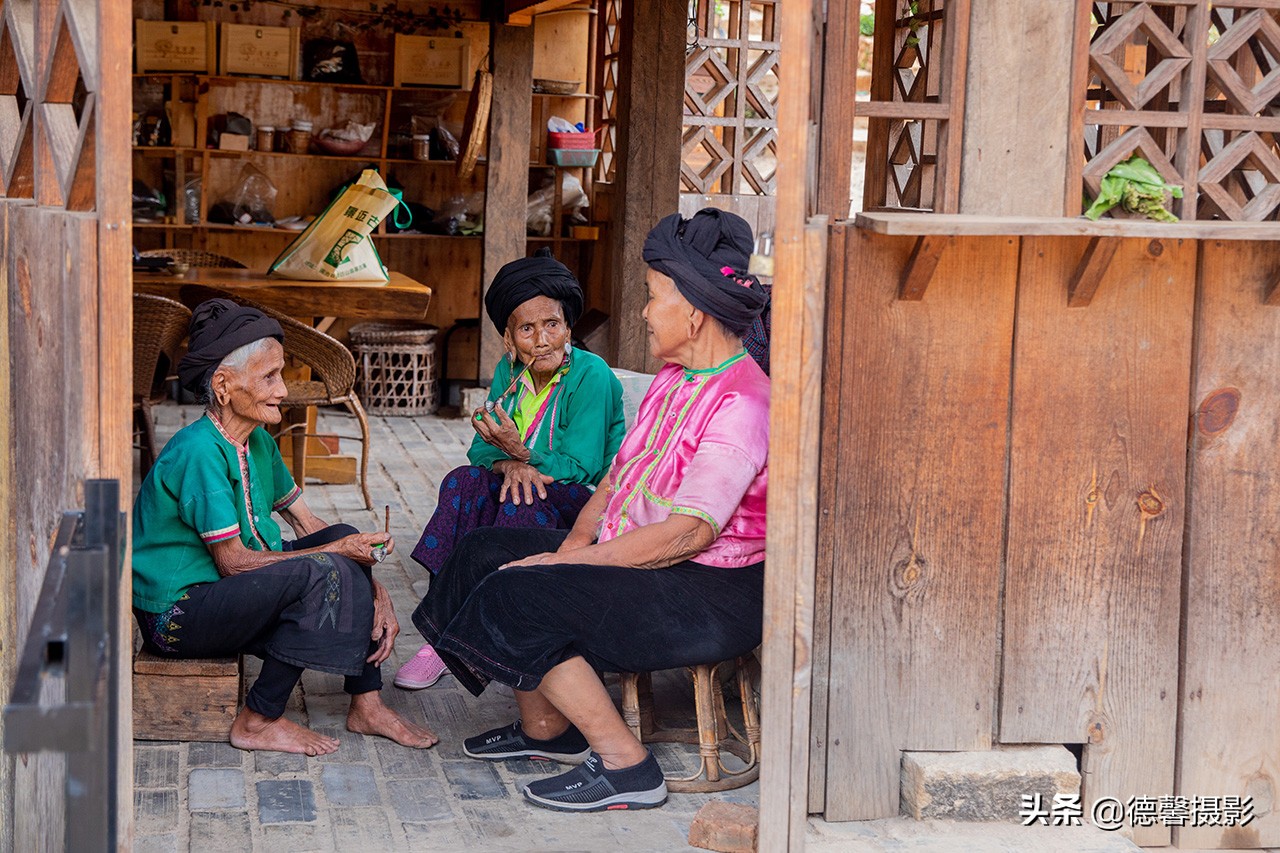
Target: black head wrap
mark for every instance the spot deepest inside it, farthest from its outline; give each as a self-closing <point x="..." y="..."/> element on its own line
<point x="219" y="327"/>
<point x="519" y="281"/>
<point x="707" y="257"/>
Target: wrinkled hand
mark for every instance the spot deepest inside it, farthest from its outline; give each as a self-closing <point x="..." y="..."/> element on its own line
<point x="497" y="429"/>
<point x="385" y="625"/>
<point x="547" y="558"/>
<point x="360" y="546"/>
<point x="521" y="479"/>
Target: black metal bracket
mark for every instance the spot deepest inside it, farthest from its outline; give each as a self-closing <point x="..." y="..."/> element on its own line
<point x="70" y="648"/>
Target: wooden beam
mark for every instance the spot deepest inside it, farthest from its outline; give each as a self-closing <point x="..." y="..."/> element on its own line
<point x="647" y="186"/>
<point x="795" y="426"/>
<point x="520" y="13"/>
<point x="1015" y="160"/>
<point x="507" y="175"/>
<point x="920" y="266"/>
<point x="964" y="225"/>
<point x="1088" y="275"/>
<point x="839" y="93"/>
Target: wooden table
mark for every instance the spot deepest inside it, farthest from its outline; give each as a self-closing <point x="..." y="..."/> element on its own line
<point x="401" y="298"/>
<point x="313" y="302"/>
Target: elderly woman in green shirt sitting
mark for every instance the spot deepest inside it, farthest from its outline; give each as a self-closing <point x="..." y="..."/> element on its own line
<point x="546" y="437"/>
<point x="213" y="577"/>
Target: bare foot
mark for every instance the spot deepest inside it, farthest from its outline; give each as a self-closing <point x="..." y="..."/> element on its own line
<point x="252" y="730"/>
<point x="369" y="716"/>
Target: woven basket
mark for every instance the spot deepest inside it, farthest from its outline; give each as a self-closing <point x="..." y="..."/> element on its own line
<point x="396" y="368"/>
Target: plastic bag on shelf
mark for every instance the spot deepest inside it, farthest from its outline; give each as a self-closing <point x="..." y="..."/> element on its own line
<point x="336" y="245"/>
<point x="461" y="216"/>
<point x="191" y="200"/>
<point x="251" y="201"/>
<point x="573" y="199"/>
<point x="555" y="124"/>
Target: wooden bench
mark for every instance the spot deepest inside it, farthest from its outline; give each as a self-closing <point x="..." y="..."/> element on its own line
<point x="185" y="700"/>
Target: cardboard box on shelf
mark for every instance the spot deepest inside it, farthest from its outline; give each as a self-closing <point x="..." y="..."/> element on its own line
<point x="259" y="51"/>
<point x="174" y="46"/>
<point x="233" y="142"/>
<point x="431" y="61"/>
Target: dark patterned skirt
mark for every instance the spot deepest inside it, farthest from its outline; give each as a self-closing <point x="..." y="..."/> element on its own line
<point x="469" y="499"/>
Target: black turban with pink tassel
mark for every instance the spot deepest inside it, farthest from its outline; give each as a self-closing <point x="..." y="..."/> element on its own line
<point x="707" y="256"/>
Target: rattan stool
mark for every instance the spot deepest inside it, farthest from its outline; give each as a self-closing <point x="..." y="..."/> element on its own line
<point x="713" y="735"/>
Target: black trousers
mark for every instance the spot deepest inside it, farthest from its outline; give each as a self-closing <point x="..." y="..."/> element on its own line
<point x="514" y="625"/>
<point x="309" y="612"/>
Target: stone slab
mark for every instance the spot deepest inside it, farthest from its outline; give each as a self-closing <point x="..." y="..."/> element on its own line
<point x="211" y="831"/>
<point x="209" y="788"/>
<point x="205" y="754"/>
<point x="286" y="801"/>
<point x="155" y="767"/>
<point x="986" y="785"/>
<point x="420" y="801"/>
<point x="726" y="827"/>
<point x="350" y="785"/>
<point x="474" y="780"/>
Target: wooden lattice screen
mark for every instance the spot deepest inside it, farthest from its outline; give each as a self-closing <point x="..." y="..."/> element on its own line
<point x="730" y="139"/>
<point x="916" y="109"/>
<point x="1193" y="86"/>
<point x="57" y="96"/>
<point x="609" y="49"/>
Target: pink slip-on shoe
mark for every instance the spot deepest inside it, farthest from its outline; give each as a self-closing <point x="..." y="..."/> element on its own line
<point x="422" y="670"/>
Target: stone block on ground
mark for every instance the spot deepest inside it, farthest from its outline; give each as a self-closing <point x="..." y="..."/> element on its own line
<point x="726" y="827"/>
<point x="286" y="801"/>
<point x="987" y="785"/>
<point x="472" y="399"/>
<point x="215" y="789"/>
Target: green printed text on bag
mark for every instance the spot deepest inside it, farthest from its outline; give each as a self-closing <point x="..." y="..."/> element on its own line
<point x="336" y="245"/>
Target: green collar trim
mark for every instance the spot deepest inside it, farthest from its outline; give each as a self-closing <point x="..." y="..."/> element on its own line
<point x="690" y="374"/>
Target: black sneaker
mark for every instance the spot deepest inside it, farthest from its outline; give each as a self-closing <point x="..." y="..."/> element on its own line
<point x="510" y="742"/>
<point x="589" y="787"/>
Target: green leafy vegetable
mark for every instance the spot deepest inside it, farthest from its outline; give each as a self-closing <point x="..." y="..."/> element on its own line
<point x="1137" y="187"/>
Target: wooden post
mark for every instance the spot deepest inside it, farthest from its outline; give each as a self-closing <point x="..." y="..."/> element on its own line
<point x="795" y="417"/>
<point x="839" y="91"/>
<point x="8" y="549"/>
<point x="650" y="98"/>
<point x="1014" y="154"/>
<point x="507" y="177"/>
<point x="112" y="119"/>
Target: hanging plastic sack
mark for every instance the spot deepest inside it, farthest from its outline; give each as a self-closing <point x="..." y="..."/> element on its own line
<point x="336" y="246"/>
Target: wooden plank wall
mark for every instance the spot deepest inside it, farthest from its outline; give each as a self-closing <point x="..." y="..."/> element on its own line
<point x="8" y="541"/>
<point x="51" y="266"/>
<point x="1096" y="503"/>
<point x="918" y="510"/>
<point x="1229" y="737"/>
<point x="1102" y="551"/>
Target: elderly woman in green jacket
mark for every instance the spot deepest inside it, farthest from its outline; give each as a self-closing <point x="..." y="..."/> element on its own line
<point x="546" y="437"/>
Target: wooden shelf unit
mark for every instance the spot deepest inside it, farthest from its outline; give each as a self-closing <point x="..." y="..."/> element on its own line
<point x="452" y="266"/>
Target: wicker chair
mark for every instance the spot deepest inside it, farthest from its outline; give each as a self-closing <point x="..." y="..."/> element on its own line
<point x="159" y="325"/>
<point x="326" y="357"/>
<point x="195" y="258"/>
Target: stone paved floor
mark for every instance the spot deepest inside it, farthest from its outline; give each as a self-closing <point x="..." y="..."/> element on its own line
<point x="375" y="795"/>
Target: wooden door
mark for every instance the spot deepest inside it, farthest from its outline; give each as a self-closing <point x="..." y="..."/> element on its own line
<point x="65" y="374"/>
